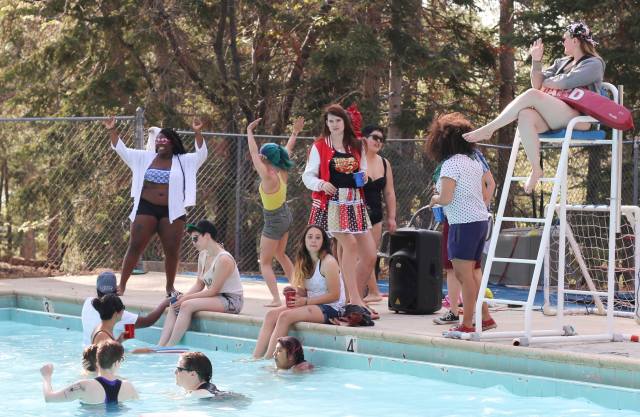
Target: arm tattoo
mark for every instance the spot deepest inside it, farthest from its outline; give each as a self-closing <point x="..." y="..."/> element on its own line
<point x="75" y="387"/>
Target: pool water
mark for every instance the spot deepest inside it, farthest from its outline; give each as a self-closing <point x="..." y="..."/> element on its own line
<point x="324" y="392"/>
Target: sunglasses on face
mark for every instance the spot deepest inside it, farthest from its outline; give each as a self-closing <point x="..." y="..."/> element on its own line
<point x="181" y="369"/>
<point x="377" y="138"/>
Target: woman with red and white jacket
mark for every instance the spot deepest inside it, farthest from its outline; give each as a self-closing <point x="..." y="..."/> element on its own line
<point x="335" y="173"/>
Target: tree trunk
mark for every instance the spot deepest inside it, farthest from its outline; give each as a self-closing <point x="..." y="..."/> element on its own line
<point x="506" y="78"/>
<point x="295" y="76"/>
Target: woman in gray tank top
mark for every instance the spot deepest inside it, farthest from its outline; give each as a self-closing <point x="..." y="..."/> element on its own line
<point x="217" y="288"/>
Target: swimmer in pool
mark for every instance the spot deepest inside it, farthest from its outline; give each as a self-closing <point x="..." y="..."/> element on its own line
<point x="104" y="389"/>
<point x="194" y="372"/>
<point x="289" y="355"/>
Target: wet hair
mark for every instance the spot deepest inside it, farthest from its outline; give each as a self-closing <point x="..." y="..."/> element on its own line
<point x="176" y="141"/>
<point x="198" y="363"/>
<point x="293" y="347"/>
<point x="107" y="306"/>
<point x="372" y="128"/>
<point x="108" y="353"/>
<point x="349" y="139"/>
<point x="277" y="155"/>
<point x="445" y="137"/>
<point x="303" y="265"/>
<point x="89" y="358"/>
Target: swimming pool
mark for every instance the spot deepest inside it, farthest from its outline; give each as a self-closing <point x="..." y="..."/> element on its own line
<point x="329" y="391"/>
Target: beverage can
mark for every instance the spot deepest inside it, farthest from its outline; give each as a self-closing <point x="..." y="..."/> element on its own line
<point x="359" y="178"/>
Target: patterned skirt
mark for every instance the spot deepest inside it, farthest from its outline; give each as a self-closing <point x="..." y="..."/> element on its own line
<point x="346" y="212"/>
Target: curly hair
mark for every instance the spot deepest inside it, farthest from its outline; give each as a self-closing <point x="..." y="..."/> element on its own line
<point x="350" y="138"/>
<point x="445" y="137"/>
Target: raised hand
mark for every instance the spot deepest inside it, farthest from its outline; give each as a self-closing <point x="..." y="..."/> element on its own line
<point x="253" y="124"/>
<point x="110" y="123"/>
<point x="47" y="370"/>
<point x="196" y="124"/>
<point x="536" y="50"/>
<point x="298" y="125"/>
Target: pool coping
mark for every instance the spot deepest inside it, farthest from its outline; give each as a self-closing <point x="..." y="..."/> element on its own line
<point x="572" y="366"/>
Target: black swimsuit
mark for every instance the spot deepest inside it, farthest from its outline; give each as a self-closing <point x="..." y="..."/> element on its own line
<point x="210" y="387"/>
<point x="373" y="195"/>
<point x="111" y="389"/>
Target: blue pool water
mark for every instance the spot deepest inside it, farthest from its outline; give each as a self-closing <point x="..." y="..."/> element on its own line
<point x="326" y="392"/>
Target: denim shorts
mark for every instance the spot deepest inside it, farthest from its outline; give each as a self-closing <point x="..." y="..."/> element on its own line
<point x="328" y="312"/>
<point x="466" y="240"/>
<point x="276" y="222"/>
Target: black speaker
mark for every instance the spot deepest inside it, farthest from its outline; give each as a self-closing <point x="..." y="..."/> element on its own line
<point x="415" y="271"/>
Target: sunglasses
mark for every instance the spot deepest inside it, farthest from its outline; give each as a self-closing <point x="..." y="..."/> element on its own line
<point x="181" y="369"/>
<point x="377" y="138"/>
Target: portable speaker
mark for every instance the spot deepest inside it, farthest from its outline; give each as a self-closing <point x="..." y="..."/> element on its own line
<point x="415" y="271"/>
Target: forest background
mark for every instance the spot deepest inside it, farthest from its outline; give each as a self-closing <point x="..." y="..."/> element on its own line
<point x="402" y="61"/>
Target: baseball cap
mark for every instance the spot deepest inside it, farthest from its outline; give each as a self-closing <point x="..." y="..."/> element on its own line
<point x="107" y="283"/>
<point x="202" y="227"/>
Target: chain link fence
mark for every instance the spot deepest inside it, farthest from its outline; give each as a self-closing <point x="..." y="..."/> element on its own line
<point x="66" y="194"/>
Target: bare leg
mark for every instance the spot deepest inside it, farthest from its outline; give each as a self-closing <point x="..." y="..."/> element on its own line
<point x="142" y="229"/>
<point x="453" y="289"/>
<point x="169" y="322"/>
<point x="464" y="273"/>
<point x="268" y="249"/>
<point x="372" y="284"/>
<point x="366" y="259"/>
<point x="311" y="314"/>
<point x="282" y="257"/>
<point x="477" y="276"/>
<point x="348" y="244"/>
<point x="171" y="238"/>
<point x="555" y="112"/>
<point x="268" y="324"/>
<point x="186" y="311"/>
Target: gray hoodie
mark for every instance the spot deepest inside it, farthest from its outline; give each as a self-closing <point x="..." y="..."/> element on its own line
<point x="588" y="73"/>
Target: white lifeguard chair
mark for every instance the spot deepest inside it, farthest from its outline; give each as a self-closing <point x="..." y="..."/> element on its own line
<point x="557" y="205"/>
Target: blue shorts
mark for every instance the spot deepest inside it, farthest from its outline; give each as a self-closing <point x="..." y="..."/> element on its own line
<point x="466" y="240"/>
<point x="328" y="312"/>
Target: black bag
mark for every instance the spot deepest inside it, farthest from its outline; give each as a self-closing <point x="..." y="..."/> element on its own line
<point x="355" y="316"/>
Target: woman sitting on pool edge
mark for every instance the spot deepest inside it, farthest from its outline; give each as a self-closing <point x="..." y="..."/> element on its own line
<point x="218" y="287"/>
<point x="320" y="292"/>
<point x="289" y="355"/>
<point x="104" y="389"/>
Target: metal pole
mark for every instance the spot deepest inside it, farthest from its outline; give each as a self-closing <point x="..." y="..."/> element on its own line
<point x="139" y="128"/>
<point x="636" y="152"/>
<point x="236" y="249"/>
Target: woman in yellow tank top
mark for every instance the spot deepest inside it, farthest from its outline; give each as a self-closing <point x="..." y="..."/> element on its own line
<point x="272" y="163"/>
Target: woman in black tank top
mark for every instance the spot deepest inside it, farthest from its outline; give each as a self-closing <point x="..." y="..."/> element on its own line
<point x="380" y="183"/>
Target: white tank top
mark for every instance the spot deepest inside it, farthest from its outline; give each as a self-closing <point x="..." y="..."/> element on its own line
<point x="317" y="286"/>
<point x="232" y="285"/>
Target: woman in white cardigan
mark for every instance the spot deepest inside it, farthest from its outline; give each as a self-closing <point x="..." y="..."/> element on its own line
<point x="162" y="187"/>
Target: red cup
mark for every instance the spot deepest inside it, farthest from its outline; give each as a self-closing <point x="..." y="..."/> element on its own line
<point x="129" y="331"/>
<point x="289" y="296"/>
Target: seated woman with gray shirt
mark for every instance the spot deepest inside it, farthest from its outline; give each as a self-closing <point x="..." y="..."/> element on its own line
<point x="535" y="110"/>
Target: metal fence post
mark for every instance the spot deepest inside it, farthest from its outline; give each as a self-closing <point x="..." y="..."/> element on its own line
<point x="636" y="152"/>
<point x="139" y="128"/>
<point x="236" y="248"/>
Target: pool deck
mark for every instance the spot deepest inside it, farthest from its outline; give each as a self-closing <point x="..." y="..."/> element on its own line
<point x="145" y="291"/>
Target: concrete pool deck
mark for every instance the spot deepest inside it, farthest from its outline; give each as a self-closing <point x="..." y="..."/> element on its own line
<point x="145" y="291"/>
